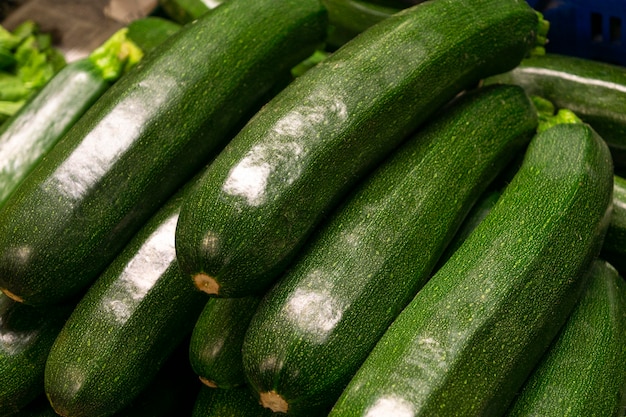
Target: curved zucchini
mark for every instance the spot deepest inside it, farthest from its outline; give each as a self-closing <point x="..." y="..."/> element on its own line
<point x="595" y="91"/>
<point x="26" y="336"/>
<point x="472" y="335"/>
<point x="584" y="371"/>
<point x="614" y="247"/>
<point x="127" y="324"/>
<point x="147" y="135"/>
<point x="30" y="133"/>
<point x="298" y="156"/>
<point x="234" y="402"/>
<point x="318" y="323"/>
<point x="216" y="340"/>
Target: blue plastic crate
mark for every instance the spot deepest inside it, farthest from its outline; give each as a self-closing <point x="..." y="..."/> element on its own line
<point x="594" y="29"/>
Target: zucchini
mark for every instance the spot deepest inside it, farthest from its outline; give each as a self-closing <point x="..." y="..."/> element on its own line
<point x="595" y="91"/>
<point x="614" y="247"/>
<point x="26" y="336"/>
<point x="147" y="135"/>
<point x="127" y="324"/>
<point x="472" y="335"/>
<point x="235" y="402"/>
<point x="584" y="371"/>
<point x="216" y="340"/>
<point x="319" y="322"/>
<point x="49" y="114"/>
<point x="301" y="153"/>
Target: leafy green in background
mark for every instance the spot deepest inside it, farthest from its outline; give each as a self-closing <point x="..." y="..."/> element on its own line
<point x="27" y="61"/>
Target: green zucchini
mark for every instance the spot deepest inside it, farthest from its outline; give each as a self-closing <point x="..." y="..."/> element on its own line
<point x="319" y="322"/>
<point x="584" y="371"/>
<point x="234" y="402"/>
<point x="127" y="324"/>
<point x="27" y="136"/>
<point x="302" y="152"/>
<point x="472" y="335"/>
<point x="614" y="247"/>
<point x="216" y="340"/>
<point x="147" y="135"/>
<point x="26" y="336"/>
<point x="593" y="90"/>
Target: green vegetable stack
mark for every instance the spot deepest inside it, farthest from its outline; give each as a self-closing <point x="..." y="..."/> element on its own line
<point x="313" y="208"/>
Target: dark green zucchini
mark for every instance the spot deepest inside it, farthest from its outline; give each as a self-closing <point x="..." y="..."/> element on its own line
<point x="30" y="133"/>
<point x="216" y="340"/>
<point x="147" y="135"/>
<point x="473" y="334"/>
<point x="26" y="336"/>
<point x="318" y="323"/>
<point x="584" y="371"/>
<point x="593" y="90"/>
<point x="125" y="327"/>
<point x="614" y="247"/>
<point x="235" y="402"/>
<point x="298" y="156"/>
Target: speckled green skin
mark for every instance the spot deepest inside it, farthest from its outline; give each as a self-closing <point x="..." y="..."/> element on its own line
<point x="614" y="247"/>
<point x="468" y="340"/>
<point x="26" y="336"/>
<point x="148" y="134"/>
<point x="595" y="91"/>
<point x="302" y="152"/>
<point x="40" y="123"/>
<point x="217" y="337"/>
<point x="151" y="31"/>
<point x="584" y="371"/>
<point x="126" y="325"/>
<point x="319" y="322"/>
<point x="236" y="402"/>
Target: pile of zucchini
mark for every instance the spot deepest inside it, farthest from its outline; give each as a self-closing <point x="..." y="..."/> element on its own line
<point x="254" y="208"/>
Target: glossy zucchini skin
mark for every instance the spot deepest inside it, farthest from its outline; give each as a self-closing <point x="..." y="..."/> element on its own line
<point x="322" y="318"/>
<point x="126" y="325"/>
<point x="614" y="247"/>
<point x="235" y="402"/>
<point x="594" y="90"/>
<point x="217" y="338"/>
<point x="26" y="336"/>
<point x="29" y="134"/>
<point x="146" y="136"/>
<point x="471" y="336"/>
<point x="584" y="371"/>
<point x="307" y="147"/>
